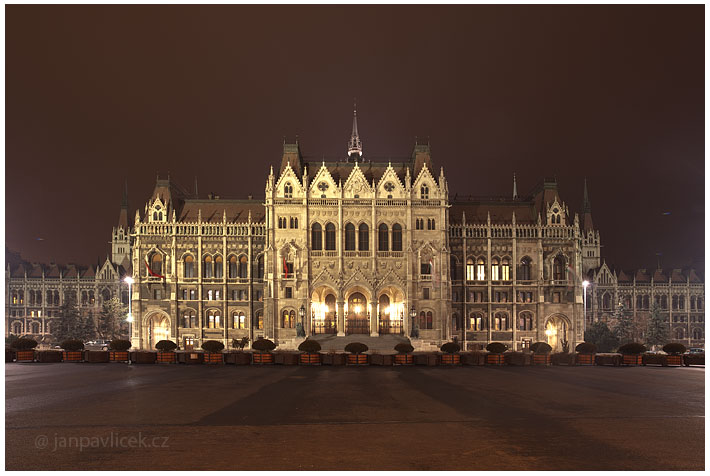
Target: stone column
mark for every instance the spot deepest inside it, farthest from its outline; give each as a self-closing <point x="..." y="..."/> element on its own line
<point x="341" y="316"/>
<point x="374" y="319"/>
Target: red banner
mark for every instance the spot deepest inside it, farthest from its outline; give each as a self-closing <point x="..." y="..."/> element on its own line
<point x="150" y="271"/>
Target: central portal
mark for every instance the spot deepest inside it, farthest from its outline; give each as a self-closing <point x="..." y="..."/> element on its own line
<point x="357" y="317"/>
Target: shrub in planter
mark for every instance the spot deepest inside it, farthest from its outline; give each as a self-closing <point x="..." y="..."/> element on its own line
<point x="541" y="351"/>
<point x="585" y="353"/>
<point x="166" y="354"/>
<point x="24" y="349"/>
<point x="356" y="355"/>
<point x="118" y="350"/>
<point x="632" y="353"/>
<point x="72" y="350"/>
<point x="495" y="357"/>
<point x="214" y="352"/>
<point x="450" y="356"/>
<point x="404" y="354"/>
<point x="263" y="354"/>
<point x="674" y="351"/>
<point x="310" y="355"/>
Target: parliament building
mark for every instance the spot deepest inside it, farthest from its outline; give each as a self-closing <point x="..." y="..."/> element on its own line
<point x="372" y="247"/>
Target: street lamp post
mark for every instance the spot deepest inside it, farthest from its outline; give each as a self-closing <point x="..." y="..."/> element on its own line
<point x="585" y="283"/>
<point x="129" y="318"/>
<point x="412" y="314"/>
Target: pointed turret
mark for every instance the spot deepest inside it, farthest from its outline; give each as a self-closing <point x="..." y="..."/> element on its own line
<point x="587" y="210"/>
<point x="515" y="188"/>
<point x="355" y="144"/>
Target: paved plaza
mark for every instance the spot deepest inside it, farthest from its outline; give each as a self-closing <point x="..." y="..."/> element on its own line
<point x="132" y="417"/>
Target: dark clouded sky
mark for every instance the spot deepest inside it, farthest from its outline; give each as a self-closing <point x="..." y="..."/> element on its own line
<point x="96" y="95"/>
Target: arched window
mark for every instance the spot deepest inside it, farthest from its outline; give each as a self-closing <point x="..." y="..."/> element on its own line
<point x="349" y="237"/>
<point x="505" y="270"/>
<point x="680" y="333"/>
<point x="56" y="298"/>
<point x="681" y="302"/>
<point x="559" y="269"/>
<point x="239" y="320"/>
<point x="330" y="237"/>
<point x="49" y="297"/>
<point x="243" y="266"/>
<point x="189" y="267"/>
<point x="424" y="192"/>
<point x="84" y="298"/>
<point x="189" y="319"/>
<point x="606" y="301"/>
<point x="495" y="269"/>
<point x="316" y="237"/>
<point x="233" y="267"/>
<point x="218" y="267"/>
<point x="214" y="319"/>
<point x="664" y="302"/>
<point x="525" y="321"/>
<point x="39" y="298"/>
<point x="260" y="267"/>
<point x="646" y="301"/>
<point x="35" y="327"/>
<point x="259" y="319"/>
<point x="700" y="303"/>
<point x="475" y="321"/>
<point x="106" y="295"/>
<point x="429" y="320"/>
<point x="156" y="263"/>
<point x="17" y="328"/>
<point x="382" y="238"/>
<point x="481" y="269"/>
<point x="674" y="301"/>
<point x="470" y="270"/>
<point x="207" y="267"/>
<point x="396" y="237"/>
<point x="363" y="238"/>
<point x="288" y="319"/>
<point x="639" y="302"/>
<point x="453" y="268"/>
<point x="288" y="190"/>
<point x="697" y="333"/>
<point x="692" y="302"/>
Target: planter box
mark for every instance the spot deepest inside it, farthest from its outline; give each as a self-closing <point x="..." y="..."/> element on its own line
<point x="262" y="358"/>
<point x="333" y="359"/>
<point x="608" y="359"/>
<point x="495" y="359"/>
<point x="357" y="359"/>
<point x="167" y="358"/>
<point x="286" y="358"/>
<point x="561" y="358"/>
<point x="450" y="359"/>
<point x="425" y="359"/>
<point x="49" y="356"/>
<point x="654" y="359"/>
<point x="518" y="358"/>
<point x="473" y="358"/>
<point x="143" y="357"/>
<point x="191" y="357"/>
<point x="632" y="359"/>
<point x="9" y="355"/>
<point x="25" y="355"/>
<point x="378" y="359"/>
<point x="675" y="360"/>
<point x="584" y="359"/>
<point x="73" y="356"/>
<point x="542" y="359"/>
<point x="307" y="358"/>
<point x="96" y="356"/>
<point x="212" y="358"/>
<point x="693" y="359"/>
<point x="238" y="358"/>
<point x="118" y="356"/>
<point x="403" y="359"/>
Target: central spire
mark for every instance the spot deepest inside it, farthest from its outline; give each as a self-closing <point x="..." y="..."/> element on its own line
<point x="355" y="144"/>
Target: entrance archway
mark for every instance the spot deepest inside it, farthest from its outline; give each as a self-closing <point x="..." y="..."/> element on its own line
<point x="158" y="327"/>
<point x="391" y="311"/>
<point x="557" y="332"/>
<point x="357" y="316"/>
<point x="323" y="316"/>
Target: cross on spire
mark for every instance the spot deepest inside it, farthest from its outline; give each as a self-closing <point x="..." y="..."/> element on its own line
<point x="355" y="144"/>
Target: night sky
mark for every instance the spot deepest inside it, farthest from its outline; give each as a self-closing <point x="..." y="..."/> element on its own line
<point x="96" y="95"/>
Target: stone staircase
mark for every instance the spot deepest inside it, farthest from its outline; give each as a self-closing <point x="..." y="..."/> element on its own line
<point x="383" y="344"/>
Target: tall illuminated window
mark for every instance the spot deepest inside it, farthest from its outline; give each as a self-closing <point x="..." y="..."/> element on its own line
<point x="505" y="270"/>
<point x="481" y="270"/>
<point x="470" y="270"/>
<point x="495" y="270"/>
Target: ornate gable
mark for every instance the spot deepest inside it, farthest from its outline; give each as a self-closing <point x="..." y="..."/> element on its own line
<point x="425" y="186"/>
<point x="557" y="214"/>
<point x="390" y="185"/>
<point x="323" y="185"/>
<point x="356" y="185"/>
<point x="289" y="185"/>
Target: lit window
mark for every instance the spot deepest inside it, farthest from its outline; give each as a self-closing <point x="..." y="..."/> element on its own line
<point x="481" y="270"/>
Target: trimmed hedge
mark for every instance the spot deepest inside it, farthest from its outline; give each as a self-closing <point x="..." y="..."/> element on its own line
<point x="632" y="348"/>
<point x="72" y="345"/>
<point x="166" y="346"/>
<point x="263" y="345"/>
<point x="674" y="348"/>
<point x="541" y="348"/>
<point x="356" y="348"/>
<point x="450" y="347"/>
<point x="310" y="346"/>
<point x="404" y="348"/>
<point x="212" y="346"/>
<point x="586" y="348"/>
<point x="496" y="347"/>
<point x="120" y="345"/>
<point x="24" y="343"/>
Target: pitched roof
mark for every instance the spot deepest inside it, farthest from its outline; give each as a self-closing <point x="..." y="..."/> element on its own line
<point x="500" y="209"/>
<point x="212" y="211"/>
